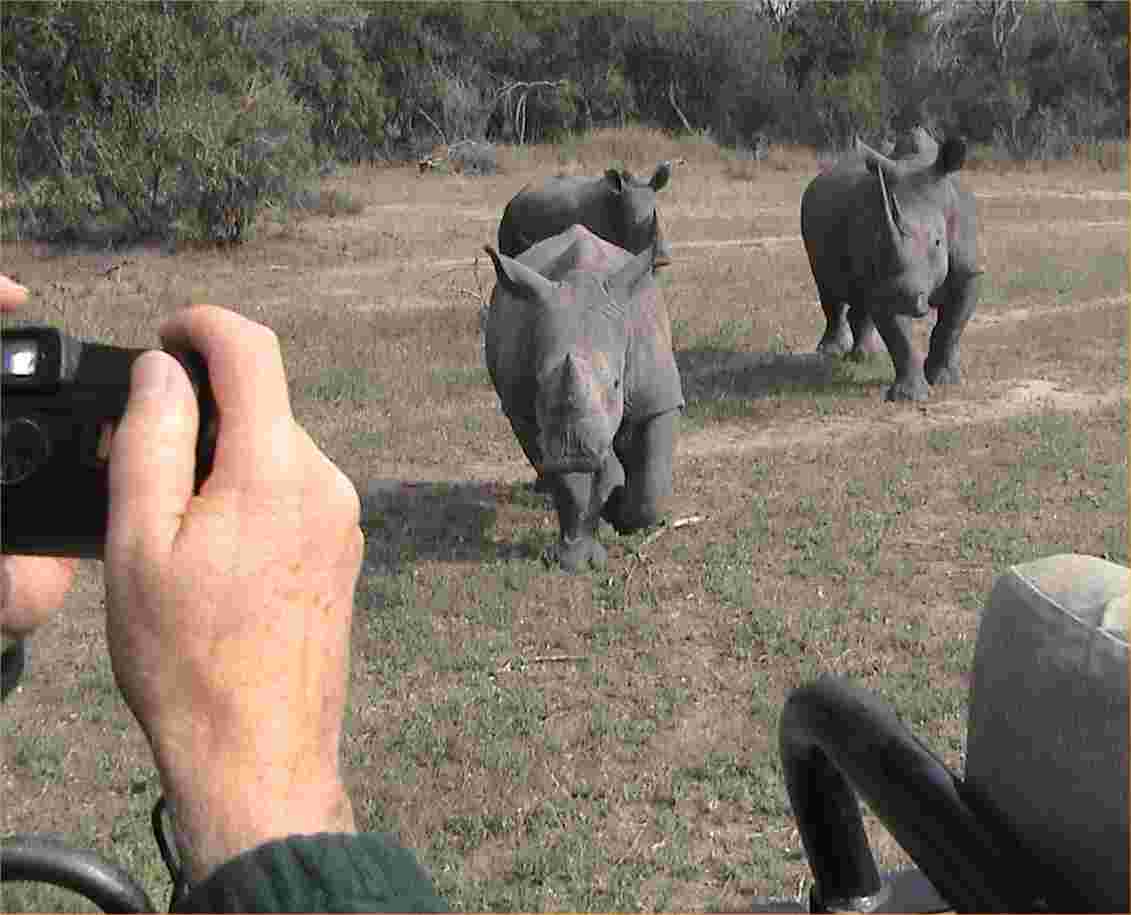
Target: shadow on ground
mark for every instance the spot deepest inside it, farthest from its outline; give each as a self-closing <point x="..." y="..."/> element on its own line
<point x="450" y="520"/>
<point x="709" y="374"/>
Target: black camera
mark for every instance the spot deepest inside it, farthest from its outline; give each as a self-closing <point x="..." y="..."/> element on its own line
<point x="62" y="399"/>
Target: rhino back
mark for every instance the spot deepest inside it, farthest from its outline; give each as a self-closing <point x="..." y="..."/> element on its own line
<point x="540" y="212"/>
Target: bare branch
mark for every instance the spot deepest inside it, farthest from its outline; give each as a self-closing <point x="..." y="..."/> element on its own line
<point x="671" y="98"/>
<point x="435" y="126"/>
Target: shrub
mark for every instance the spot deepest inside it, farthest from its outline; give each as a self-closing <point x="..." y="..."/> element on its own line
<point x="240" y="155"/>
<point x="158" y="125"/>
<point x="343" y="91"/>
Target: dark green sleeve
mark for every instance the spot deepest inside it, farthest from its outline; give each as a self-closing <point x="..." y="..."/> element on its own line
<point x="328" y="872"/>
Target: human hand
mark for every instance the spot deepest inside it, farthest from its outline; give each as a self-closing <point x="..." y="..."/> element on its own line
<point x="31" y="587"/>
<point x="228" y="612"/>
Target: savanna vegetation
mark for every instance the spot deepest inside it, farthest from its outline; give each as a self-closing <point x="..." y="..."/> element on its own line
<point x="188" y="119"/>
<point x="604" y="741"/>
<point x="608" y="741"/>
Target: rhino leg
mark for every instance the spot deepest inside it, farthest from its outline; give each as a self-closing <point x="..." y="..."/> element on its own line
<point x="910" y="382"/>
<point x="646" y="452"/>
<point x="837" y="338"/>
<point x="961" y="295"/>
<point x="578" y="498"/>
<point x="865" y="340"/>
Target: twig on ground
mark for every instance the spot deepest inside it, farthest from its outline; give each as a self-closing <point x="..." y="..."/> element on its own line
<point x="519" y="662"/>
<point x="659" y="532"/>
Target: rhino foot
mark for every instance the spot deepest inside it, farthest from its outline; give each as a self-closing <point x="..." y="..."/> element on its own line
<point x="575" y="555"/>
<point x="834" y="346"/>
<point x="908" y="389"/>
<point x="942" y="373"/>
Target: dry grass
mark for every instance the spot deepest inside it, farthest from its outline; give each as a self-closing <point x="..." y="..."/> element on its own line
<point x="842" y="534"/>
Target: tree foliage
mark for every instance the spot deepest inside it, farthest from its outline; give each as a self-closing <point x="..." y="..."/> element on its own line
<point x="191" y="116"/>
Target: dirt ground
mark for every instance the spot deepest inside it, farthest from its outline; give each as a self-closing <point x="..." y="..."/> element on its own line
<point x="867" y="533"/>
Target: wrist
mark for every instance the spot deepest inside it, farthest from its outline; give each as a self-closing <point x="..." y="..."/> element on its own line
<point x="233" y="812"/>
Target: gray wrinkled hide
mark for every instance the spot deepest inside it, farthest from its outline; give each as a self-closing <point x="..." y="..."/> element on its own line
<point x="617" y="206"/>
<point x="575" y="306"/>
<point x="888" y="239"/>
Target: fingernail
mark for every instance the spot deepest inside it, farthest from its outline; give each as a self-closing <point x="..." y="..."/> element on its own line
<point x="151" y="374"/>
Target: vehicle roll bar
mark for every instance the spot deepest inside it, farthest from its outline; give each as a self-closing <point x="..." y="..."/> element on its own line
<point x="839" y="741"/>
<point x="45" y="860"/>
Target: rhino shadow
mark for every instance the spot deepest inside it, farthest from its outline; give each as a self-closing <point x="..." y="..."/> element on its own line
<point x="405" y="521"/>
<point x="710" y="374"/>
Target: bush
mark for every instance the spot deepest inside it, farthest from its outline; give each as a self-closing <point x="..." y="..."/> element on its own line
<point x="158" y="125"/>
<point x="240" y="154"/>
<point x="344" y="92"/>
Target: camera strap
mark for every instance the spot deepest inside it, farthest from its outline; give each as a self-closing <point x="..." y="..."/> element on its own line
<point x="163" y="835"/>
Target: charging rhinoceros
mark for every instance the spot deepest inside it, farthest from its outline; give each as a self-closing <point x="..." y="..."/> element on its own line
<point x="617" y="206"/>
<point x="578" y="344"/>
<point x="888" y="239"/>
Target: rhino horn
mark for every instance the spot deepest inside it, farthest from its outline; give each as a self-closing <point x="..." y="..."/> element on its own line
<point x="573" y="387"/>
<point x="876" y="160"/>
<point x="892" y="212"/>
<point x="519" y="279"/>
<point x="622" y="284"/>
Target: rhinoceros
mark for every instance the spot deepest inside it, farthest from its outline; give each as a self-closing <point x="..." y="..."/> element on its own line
<point x="915" y="143"/>
<point x="618" y="206"/>
<point x="579" y="348"/>
<point x="888" y="239"/>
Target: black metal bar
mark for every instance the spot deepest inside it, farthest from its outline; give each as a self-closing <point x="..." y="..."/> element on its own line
<point x="40" y="859"/>
<point x="835" y="738"/>
<point x="12" y="663"/>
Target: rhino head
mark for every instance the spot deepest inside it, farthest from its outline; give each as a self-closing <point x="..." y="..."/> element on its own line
<point x="908" y="255"/>
<point x="634" y="205"/>
<point x="579" y="357"/>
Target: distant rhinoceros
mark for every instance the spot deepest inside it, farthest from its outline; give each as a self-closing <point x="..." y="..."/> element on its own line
<point x="578" y="344"/>
<point x="617" y="206"/>
<point x="914" y="143"/>
<point x="887" y="240"/>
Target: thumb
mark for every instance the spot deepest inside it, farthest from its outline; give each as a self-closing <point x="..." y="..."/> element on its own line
<point x="152" y="459"/>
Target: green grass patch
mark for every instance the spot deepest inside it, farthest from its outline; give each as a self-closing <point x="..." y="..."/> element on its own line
<point x="336" y="384"/>
<point x="727" y="337"/>
<point x="461" y="376"/>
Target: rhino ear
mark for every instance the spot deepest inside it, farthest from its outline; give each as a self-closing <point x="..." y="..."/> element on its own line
<point x="623" y="284"/>
<point x="661" y="176"/>
<point x="952" y="155"/>
<point x="613" y="177"/>
<point x="518" y="279"/>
